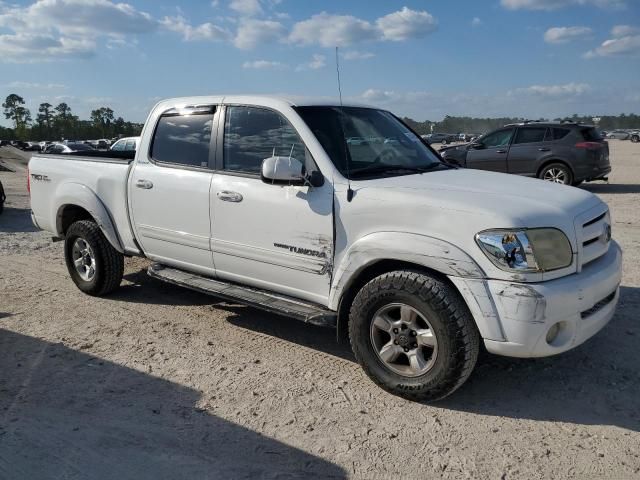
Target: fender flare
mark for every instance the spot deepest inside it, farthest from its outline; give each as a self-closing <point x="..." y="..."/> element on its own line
<point x="422" y="250"/>
<point x="80" y="195"/>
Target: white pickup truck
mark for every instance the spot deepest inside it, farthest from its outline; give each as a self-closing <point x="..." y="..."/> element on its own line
<point x="265" y="201"/>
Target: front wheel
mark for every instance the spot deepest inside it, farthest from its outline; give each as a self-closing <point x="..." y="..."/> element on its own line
<point x="94" y="265"/>
<point x="557" y="173"/>
<point x="635" y="138"/>
<point x="413" y="335"/>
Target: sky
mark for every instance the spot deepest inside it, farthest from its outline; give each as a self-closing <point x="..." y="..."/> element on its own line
<point x="418" y="58"/>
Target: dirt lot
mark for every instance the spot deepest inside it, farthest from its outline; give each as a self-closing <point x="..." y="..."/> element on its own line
<point x="159" y="382"/>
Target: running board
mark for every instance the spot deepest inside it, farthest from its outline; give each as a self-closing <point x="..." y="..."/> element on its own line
<point x="271" y="302"/>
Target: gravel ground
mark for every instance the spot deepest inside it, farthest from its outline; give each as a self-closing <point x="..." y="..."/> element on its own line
<point x="160" y="382"/>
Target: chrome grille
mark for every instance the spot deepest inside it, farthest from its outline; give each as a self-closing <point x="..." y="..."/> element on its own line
<point x="594" y="236"/>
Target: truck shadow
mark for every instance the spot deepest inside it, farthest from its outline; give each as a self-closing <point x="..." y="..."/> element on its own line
<point x="597" y="383"/>
<point x="16" y="220"/>
<point x="611" y="188"/>
<point x="68" y="414"/>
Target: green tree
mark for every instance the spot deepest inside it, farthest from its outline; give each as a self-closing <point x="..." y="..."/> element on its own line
<point x="102" y="119"/>
<point x="15" y="110"/>
<point x="45" y="118"/>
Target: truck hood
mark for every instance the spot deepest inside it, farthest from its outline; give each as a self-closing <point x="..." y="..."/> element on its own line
<point x="480" y="199"/>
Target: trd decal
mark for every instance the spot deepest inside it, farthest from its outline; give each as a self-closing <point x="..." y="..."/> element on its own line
<point x="39" y="178"/>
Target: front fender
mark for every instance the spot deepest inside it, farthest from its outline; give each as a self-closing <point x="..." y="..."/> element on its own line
<point x="82" y="196"/>
<point x="422" y="250"/>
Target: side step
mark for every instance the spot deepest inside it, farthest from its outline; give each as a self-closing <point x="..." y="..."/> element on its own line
<point x="271" y="302"/>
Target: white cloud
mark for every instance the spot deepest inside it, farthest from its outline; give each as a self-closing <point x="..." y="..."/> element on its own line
<point x="628" y="45"/>
<point x="317" y="61"/>
<point x="262" y="64"/>
<point x="476" y="22"/>
<point x="356" y="55"/>
<point x="405" y="24"/>
<point x="34" y="85"/>
<point x="566" y="34"/>
<point x="329" y="30"/>
<point x="252" y="33"/>
<point x="246" y="7"/>
<point x="624" y="31"/>
<point x="569" y="89"/>
<point x="557" y="4"/>
<point x="48" y="29"/>
<point x="205" y="31"/>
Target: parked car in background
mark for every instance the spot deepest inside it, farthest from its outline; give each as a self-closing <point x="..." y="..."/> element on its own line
<point x="4" y="143"/>
<point x="567" y="153"/>
<point x="618" y="135"/>
<point x="127" y="144"/>
<point x="443" y="138"/>
<point x="417" y="261"/>
<point x="68" y="148"/>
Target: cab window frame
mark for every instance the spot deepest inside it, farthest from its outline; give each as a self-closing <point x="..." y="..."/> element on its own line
<point x="177" y="112"/>
<point x="222" y="122"/>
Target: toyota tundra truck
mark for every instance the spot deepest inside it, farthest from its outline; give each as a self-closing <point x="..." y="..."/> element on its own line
<point x="264" y="201"/>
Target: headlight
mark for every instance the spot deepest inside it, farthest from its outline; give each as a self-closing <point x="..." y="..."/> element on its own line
<point x="531" y="250"/>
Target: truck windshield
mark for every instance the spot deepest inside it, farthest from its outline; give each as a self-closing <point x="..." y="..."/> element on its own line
<point x="368" y="143"/>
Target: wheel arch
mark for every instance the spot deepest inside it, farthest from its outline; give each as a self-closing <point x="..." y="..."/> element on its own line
<point x="379" y="253"/>
<point x="78" y="202"/>
<point x="549" y="161"/>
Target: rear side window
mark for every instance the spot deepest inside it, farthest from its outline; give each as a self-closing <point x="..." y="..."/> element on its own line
<point x="558" y="133"/>
<point x="183" y="139"/>
<point x="590" y="134"/>
<point x="118" y="147"/>
<point x="131" y="145"/>
<point x="530" y="135"/>
<point x="253" y="134"/>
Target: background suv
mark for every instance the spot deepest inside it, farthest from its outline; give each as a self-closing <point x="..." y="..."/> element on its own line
<point x="567" y="153"/>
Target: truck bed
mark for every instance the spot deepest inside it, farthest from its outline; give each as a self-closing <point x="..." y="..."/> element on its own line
<point x="56" y="179"/>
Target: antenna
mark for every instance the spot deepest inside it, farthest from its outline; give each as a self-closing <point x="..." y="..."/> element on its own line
<point x="346" y="156"/>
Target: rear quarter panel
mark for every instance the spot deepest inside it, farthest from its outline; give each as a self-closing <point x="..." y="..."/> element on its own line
<point x="53" y="177"/>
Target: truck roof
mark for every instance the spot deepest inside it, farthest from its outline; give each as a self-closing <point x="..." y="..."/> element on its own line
<point x="274" y="101"/>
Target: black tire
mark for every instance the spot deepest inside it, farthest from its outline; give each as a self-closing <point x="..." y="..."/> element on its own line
<point x="2" y="197"/>
<point x="444" y="142"/>
<point x="635" y="138"/>
<point x="455" y="330"/>
<point x="557" y="166"/>
<point x="109" y="263"/>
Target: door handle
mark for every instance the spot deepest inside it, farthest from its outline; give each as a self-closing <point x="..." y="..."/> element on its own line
<point x="146" y="184"/>
<point x="543" y="149"/>
<point x="227" y="196"/>
<point x="501" y="151"/>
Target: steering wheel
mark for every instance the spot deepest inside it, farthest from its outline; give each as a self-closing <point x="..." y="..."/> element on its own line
<point x="387" y="156"/>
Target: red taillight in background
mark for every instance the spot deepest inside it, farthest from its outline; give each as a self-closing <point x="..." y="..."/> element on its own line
<point x="28" y="181"/>
<point x="589" y="145"/>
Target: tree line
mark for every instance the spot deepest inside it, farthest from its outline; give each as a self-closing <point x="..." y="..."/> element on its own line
<point x="58" y="123"/>
<point x="483" y="125"/>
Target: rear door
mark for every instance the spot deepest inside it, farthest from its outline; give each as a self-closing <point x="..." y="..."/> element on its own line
<point x="490" y="153"/>
<point x="530" y="147"/>
<point x="169" y="189"/>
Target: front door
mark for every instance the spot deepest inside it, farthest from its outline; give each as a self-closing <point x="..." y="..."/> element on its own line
<point x="169" y="191"/>
<point x="276" y="237"/>
<point x="491" y="152"/>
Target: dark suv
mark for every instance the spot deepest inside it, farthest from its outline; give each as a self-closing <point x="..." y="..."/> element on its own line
<point x="568" y="153"/>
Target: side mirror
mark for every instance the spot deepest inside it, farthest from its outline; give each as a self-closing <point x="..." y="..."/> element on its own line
<point x="282" y="171"/>
<point x="476" y="146"/>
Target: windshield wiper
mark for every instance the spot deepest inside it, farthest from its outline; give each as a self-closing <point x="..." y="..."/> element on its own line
<point x="397" y="168"/>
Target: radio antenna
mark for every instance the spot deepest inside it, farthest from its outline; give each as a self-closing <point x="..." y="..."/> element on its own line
<point x="346" y="156"/>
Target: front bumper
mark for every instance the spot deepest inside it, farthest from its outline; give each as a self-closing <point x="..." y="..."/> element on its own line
<point x="518" y="317"/>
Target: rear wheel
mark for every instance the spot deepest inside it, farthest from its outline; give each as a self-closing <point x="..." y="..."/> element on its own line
<point x="557" y="173"/>
<point x="635" y="138"/>
<point x="413" y="335"/>
<point x="94" y="265"/>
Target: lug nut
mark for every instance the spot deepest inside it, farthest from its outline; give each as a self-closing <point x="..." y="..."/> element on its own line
<point x="395" y="330"/>
<point x="415" y="345"/>
<point x="406" y="349"/>
<point x="413" y="333"/>
<point x="395" y="342"/>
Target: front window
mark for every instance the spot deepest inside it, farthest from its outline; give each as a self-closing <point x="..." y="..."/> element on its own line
<point x="365" y="142"/>
<point x="501" y="138"/>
